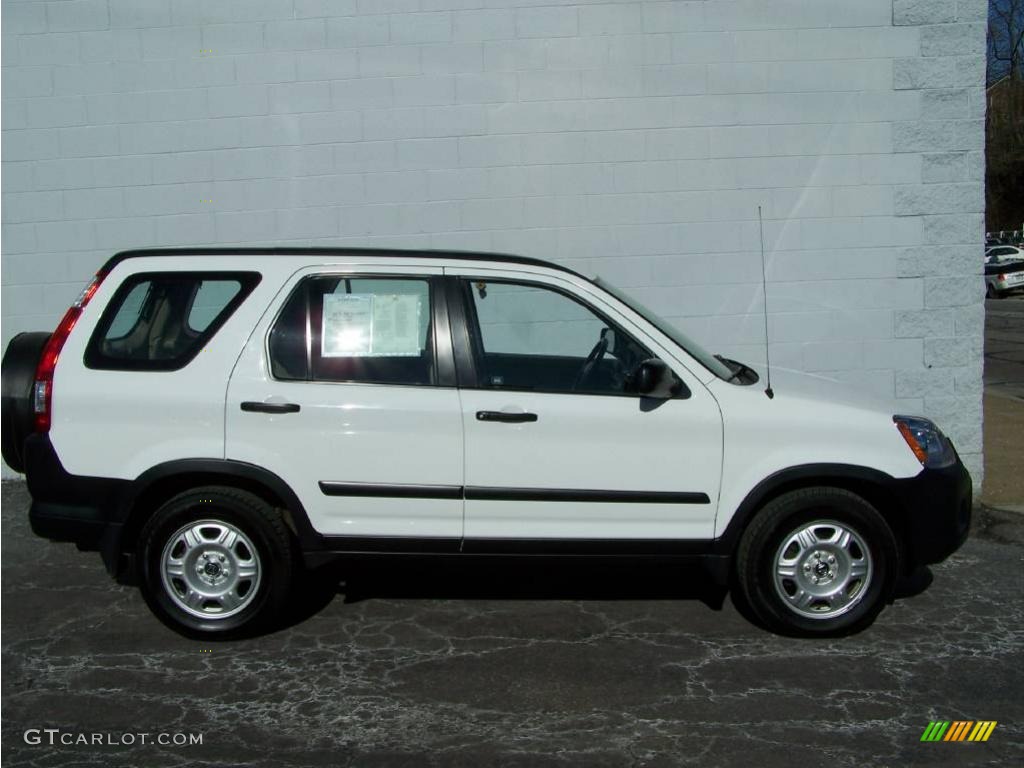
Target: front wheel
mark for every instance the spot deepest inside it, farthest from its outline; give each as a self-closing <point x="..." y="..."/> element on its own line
<point x="817" y="561"/>
<point x="216" y="562"/>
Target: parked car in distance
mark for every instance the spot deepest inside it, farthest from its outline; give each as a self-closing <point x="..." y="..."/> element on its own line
<point x="216" y="421"/>
<point x="1004" y="237"/>
<point x="1004" y="271"/>
<point x="1003" y="253"/>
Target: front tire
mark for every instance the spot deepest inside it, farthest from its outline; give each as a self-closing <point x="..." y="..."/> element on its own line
<point x="817" y="562"/>
<point x="216" y="562"/>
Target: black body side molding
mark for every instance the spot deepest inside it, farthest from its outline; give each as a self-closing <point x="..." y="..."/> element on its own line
<point x="585" y="495"/>
<point x="391" y="491"/>
<point x="481" y="493"/>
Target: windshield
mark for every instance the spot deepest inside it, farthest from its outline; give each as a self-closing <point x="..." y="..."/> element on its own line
<point x="705" y="358"/>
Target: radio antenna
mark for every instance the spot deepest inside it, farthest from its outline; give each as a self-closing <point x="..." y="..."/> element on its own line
<point x="764" y="289"/>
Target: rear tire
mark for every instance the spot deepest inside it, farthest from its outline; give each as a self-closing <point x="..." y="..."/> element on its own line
<point x="817" y="562"/>
<point x="217" y="562"/>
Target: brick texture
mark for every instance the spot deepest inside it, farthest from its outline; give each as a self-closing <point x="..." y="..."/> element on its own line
<point x="949" y="200"/>
<point x="633" y="139"/>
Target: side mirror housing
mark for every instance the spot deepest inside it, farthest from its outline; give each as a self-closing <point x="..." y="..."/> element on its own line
<point x="653" y="378"/>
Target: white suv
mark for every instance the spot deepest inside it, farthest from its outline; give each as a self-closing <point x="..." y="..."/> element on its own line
<point x="216" y="421"/>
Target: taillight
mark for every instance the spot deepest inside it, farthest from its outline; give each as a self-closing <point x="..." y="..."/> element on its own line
<point x="1001" y="278"/>
<point x="42" y="392"/>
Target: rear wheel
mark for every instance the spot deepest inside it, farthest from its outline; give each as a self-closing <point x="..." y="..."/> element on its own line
<point x="216" y="562"/>
<point x="817" y="561"/>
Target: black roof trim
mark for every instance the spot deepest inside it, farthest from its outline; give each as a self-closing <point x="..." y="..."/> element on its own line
<point x="117" y="258"/>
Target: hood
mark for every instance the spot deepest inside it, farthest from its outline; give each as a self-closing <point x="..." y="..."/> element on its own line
<point x="787" y="384"/>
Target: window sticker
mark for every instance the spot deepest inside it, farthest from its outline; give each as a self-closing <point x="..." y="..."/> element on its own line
<point x="347" y="325"/>
<point x="370" y="325"/>
<point x="396" y="325"/>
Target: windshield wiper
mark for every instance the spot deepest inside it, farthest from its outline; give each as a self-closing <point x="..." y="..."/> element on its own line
<point x="736" y="367"/>
<point x="738" y="370"/>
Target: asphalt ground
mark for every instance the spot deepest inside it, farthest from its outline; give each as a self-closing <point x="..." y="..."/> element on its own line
<point x="1004" y="346"/>
<point x="522" y="663"/>
<point x="1004" y="402"/>
<point x="510" y="664"/>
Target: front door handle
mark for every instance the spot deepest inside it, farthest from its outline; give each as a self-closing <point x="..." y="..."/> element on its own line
<point x="511" y="418"/>
<point x="250" y="406"/>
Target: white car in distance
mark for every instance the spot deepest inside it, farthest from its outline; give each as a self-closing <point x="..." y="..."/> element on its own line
<point x="1004" y="270"/>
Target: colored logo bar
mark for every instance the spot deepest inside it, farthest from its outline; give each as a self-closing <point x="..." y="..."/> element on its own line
<point x="958" y="730"/>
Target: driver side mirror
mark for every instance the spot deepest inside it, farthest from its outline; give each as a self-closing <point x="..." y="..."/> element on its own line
<point x="653" y="378"/>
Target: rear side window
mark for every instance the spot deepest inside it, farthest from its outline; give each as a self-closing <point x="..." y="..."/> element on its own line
<point x="374" y="330"/>
<point x="160" y="321"/>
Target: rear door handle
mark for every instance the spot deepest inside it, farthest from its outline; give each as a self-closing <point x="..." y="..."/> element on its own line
<point x="511" y="418"/>
<point x="250" y="406"/>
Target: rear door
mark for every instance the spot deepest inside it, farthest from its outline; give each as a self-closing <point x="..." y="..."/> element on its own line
<point x="346" y="391"/>
<point x="557" y="447"/>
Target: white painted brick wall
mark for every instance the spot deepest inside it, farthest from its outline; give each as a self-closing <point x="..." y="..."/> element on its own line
<point x="634" y="139"/>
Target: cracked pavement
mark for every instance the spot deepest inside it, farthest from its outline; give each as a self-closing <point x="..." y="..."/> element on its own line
<point x="511" y="663"/>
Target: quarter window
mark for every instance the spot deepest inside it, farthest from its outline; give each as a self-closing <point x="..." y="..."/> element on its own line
<point x="345" y="329"/>
<point x="528" y="336"/>
<point x="210" y="298"/>
<point x="160" y="321"/>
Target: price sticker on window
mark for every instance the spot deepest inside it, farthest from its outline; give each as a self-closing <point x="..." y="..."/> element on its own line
<point x="371" y="325"/>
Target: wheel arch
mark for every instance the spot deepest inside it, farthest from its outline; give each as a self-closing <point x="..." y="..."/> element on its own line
<point x="164" y="481"/>
<point x="873" y="485"/>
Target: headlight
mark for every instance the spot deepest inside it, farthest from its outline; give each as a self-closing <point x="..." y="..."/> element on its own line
<point x="932" y="448"/>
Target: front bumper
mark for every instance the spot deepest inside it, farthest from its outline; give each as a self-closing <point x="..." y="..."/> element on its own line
<point x="937" y="512"/>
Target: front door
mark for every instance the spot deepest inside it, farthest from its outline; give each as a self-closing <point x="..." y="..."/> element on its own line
<point x="557" y="446"/>
<point x="342" y="391"/>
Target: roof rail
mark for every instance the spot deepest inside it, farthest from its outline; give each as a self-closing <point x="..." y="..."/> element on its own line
<point x="117" y="258"/>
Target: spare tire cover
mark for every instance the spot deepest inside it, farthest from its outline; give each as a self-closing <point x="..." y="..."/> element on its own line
<point x="18" y="372"/>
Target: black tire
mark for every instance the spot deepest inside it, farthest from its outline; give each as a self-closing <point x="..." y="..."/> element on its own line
<point x="872" y="548"/>
<point x="18" y="374"/>
<point x="256" y="523"/>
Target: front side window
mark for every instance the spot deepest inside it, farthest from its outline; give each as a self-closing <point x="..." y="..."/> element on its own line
<point x="712" y="362"/>
<point x="346" y="329"/>
<point x="160" y="321"/>
<point x="528" y="336"/>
